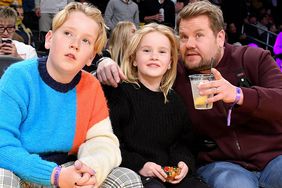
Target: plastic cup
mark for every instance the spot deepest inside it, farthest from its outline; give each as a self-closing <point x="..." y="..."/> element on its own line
<point x="200" y="102"/>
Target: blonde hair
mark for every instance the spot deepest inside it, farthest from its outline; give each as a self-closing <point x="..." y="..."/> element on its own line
<point x="199" y="8"/>
<point x="120" y="39"/>
<point x="8" y="13"/>
<point x="88" y="10"/>
<point x="131" y="71"/>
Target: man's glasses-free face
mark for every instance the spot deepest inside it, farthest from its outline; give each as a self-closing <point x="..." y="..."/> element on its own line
<point x="9" y="29"/>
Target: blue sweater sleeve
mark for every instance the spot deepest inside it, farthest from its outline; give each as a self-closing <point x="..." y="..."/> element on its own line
<point x="13" y="156"/>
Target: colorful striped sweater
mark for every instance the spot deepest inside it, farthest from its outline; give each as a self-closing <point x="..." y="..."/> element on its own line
<point x="39" y="115"/>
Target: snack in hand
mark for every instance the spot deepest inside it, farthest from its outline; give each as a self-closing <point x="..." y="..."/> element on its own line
<point x="171" y="172"/>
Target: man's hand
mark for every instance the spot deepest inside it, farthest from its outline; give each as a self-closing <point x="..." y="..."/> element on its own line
<point x="109" y="73"/>
<point x="151" y="169"/>
<point x="221" y="88"/>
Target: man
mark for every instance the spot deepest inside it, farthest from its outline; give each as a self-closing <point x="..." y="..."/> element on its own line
<point x="245" y="149"/>
<point x="121" y="10"/>
<point x="8" y="17"/>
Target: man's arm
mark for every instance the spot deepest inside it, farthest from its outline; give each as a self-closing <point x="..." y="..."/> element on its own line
<point x="109" y="73"/>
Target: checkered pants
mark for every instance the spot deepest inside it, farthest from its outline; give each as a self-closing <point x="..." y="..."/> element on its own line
<point x="118" y="178"/>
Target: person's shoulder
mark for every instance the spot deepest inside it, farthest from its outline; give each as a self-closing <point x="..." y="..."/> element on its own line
<point x="89" y="79"/>
<point x="244" y="50"/>
<point x="21" y="44"/>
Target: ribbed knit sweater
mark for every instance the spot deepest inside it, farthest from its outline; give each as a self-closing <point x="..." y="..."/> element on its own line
<point x="39" y="115"/>
<point x="149" y="130"/>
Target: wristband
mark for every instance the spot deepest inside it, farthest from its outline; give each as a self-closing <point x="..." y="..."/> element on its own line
<point x="237" y="98"/>
<point x="100" y="60"/>
<point x="57" y="175"/>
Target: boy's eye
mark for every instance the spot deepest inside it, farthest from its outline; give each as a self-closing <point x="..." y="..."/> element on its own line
<point x="86" y="41"/>
<point x="67" y="33"/>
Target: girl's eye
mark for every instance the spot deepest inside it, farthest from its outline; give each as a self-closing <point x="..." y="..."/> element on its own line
<point x="146" y="50"/>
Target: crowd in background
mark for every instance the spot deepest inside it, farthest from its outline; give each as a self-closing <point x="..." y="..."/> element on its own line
<point x="263" y="15"/>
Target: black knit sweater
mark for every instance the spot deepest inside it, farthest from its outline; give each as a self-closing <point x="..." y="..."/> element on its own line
<point x="148" y="129"/>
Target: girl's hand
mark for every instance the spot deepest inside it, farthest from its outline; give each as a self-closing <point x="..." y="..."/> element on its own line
<point x="151" y="169"/>
<point x="183" y="172"/>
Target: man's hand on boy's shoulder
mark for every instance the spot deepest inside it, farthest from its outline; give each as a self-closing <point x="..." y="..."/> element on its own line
<point x="109" y="73"/>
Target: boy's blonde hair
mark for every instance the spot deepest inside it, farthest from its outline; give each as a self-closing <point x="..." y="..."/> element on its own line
<point x="119" y="40"/>
<point x="204" y="7"/>
<point x="131" y="71"/>
<point x="88" y="10"/>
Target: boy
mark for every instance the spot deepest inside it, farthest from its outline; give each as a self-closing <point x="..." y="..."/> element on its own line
<point x="52" y="112"/>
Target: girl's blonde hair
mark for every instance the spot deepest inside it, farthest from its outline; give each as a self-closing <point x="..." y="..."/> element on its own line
<point x="88" y="10"/>
<point x="131" y="71"/>
<point x="119" y="40"/>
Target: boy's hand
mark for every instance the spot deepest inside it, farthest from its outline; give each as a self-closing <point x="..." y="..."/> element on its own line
<point x="88" y="175"/>
<point x="77" y="175"/>
<point x="151" y="169"/>
<point x="109" y="73"/>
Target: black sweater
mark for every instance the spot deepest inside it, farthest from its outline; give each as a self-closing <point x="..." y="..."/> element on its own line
<point x="148" y="129"/>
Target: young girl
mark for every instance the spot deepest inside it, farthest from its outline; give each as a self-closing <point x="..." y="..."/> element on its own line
<point x="148" y="117"/>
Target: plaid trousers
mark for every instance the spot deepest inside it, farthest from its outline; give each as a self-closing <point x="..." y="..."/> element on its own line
<point x="118" y="178"/>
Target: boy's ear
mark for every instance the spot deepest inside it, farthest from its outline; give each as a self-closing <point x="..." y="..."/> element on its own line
<point x="91" y="59"/>
<point x="48" y="39"/>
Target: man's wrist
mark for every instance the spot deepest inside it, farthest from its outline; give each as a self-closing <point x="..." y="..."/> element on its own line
<point x="100" y="60"/>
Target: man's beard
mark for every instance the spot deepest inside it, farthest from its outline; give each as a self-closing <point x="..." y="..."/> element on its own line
<point x="205" y="64"/>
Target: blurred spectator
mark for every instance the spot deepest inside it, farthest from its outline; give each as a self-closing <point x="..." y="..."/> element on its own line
<point x="46" y="10"/>
<point x="8" y="17"/>
<point x="100" y="4"/>
<point x="21" y="29"/>
<point x="121" y="10"/>
<point x="117" y="44"/>
<point x="262" y="24"/>
<point x="30" y="19"/>
<point x="150" y="12"/>
<point x="180" y="4"/>
<point x="119" y="40"/>
<point x="232" y="34"/>
<point x="250" y="30"/>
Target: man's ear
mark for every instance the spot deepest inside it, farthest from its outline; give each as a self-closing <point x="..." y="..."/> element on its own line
<point x="48" y="39"/>
<point x="221" y="38"/>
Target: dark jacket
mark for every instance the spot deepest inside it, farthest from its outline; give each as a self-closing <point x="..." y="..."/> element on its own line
<point x="255" y="135"/>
